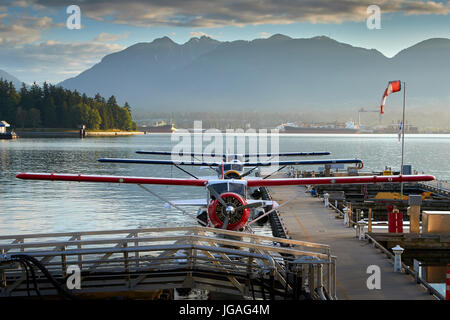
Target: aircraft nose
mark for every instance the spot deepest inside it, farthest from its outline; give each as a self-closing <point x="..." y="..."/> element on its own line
<point x="230" y="209"/>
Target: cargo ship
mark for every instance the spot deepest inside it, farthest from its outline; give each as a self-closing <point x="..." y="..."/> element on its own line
<point x="347" y="128"/>
<point x="161" y="127"/>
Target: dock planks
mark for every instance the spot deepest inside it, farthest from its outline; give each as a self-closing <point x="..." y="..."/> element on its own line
<point x="307" y="219"/>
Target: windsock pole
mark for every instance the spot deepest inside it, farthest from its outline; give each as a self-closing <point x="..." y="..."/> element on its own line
<point x="403" y="138"/>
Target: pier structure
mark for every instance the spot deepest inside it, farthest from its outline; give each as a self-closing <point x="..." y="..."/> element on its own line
<point x="306" y="218"/>
<point x="441" y="187"/>
<point x="143" y="263"/>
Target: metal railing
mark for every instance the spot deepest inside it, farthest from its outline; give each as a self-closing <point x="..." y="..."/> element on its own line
<point x="438" y="186"/>
<point x="165" y="258"/>
<point x="406" y="269"/>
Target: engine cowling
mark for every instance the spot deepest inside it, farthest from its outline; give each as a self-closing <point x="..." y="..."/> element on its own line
<point x="237" y="218"/>
<point x="232" y="174"/>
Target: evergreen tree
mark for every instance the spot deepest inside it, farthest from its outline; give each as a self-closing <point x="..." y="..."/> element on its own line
<point x="56" y="107"/>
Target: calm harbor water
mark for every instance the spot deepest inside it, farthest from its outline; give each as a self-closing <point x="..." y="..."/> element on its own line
<point x="39" y="206"/>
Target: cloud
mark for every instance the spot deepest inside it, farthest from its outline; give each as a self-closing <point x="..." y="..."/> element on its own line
<point x="23" y="30"/>
<point x="58" y="59"/>
<point x="264" y="34"/>
<point x="219" y="13"/>
<point x="108" y="37"/>
<point x="198" y="34"/>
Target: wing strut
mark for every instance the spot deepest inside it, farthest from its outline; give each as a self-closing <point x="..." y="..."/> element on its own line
<point x="185" y="171"/>
<point x="274" y="208"/>
<point x="171" y="204"/>
<point x="281" y="168"/>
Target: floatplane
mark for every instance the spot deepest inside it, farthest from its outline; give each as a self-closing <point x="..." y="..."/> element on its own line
<point x="232" y="166"/>
<point x="227" y="202"/>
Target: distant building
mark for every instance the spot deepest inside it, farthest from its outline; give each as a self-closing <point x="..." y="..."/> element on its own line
<point x="5" y="134"/>
<point x="3" y="126"/>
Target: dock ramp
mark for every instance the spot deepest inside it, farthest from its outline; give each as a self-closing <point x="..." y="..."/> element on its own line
<point x="136" y="263"/>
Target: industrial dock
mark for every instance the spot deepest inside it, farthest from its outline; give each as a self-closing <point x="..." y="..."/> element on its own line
<point x="306" y="218"/>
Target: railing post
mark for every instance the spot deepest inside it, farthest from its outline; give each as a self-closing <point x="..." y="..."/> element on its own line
<point x="447" y="284"/>
<point x="398" y="258"/>
<point x="63" y="261"/>
<point x="346" y="217"/>
<point x="369" y="228"/>
<point x="417" y="270"/>
<point x="350" y="215"/>
<point x="80" y="256"/>
<point x="311" y="279"/>
<point x="319" y="276"/>
<point x="136" y="254"/>
<point x="360" y="230"/>
<point x="333" y="269"/>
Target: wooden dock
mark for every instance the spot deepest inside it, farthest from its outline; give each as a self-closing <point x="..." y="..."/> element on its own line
<point x="307" y="219"/>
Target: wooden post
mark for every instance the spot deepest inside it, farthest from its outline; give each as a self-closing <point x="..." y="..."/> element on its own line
<point x="415" y="202"/>
<point x="350" y="215"/>
<point x="369" y="228"/>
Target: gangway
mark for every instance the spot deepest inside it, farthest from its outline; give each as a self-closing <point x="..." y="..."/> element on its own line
<point x="140" y="262"/>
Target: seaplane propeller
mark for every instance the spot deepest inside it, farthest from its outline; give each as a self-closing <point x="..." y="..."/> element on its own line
<point x="229" y="210"/>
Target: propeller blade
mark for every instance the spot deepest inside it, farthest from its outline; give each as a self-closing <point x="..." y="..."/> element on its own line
<point x="217" y="196"/>
<point x="225" y="223"/>
<point x="250" y="205"/>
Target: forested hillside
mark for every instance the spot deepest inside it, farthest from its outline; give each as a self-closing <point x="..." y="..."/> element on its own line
<point x="50" y="106"/>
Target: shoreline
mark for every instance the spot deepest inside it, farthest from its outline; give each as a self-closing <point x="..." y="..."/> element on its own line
<point x="74" y="133"/>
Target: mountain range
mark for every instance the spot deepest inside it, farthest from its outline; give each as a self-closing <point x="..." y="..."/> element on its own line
<point x="10" y="78"/>
<point x="272" y="74"/>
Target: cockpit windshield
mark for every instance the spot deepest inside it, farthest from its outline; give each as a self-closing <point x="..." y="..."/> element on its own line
<point x="238" y="188"/>
<point x="220" y="187"/>
<point x="233" y="166"/>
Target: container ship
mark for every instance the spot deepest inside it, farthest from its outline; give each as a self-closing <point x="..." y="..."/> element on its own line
<point x="161" y="127"/>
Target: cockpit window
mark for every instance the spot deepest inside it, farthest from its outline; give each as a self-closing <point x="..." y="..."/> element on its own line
<point x="220" y="188"/>
<point x="237" y="188"/>
<point x="236" y="167"/>
<point x="233" y="166"/>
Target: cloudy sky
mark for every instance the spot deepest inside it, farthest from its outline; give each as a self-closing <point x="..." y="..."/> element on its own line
<point x="36" y="45"/>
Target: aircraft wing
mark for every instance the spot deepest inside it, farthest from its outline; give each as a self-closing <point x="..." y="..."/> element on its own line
<point x="113" y="179"/>
<point x="288" y="154"/>
<point x="204" y="182"/>
<point x="164" y="162"/>
<point x="246" y="164"/>
<point x="181" y="154"/>
<point x="339" y="180"/>
<point x="189" y="202"/>
<point x="266" y="202"/>
<point x="203" y="202"/>
<point x="231" y="155"/>
<point x="304" y="162"/>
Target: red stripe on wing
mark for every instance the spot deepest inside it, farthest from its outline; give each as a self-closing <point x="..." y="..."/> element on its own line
<point x="112" y="179"/>
<point x="339" y="180"/>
